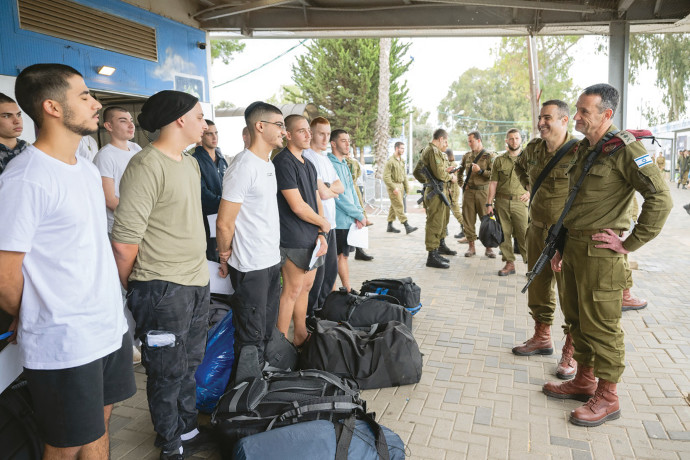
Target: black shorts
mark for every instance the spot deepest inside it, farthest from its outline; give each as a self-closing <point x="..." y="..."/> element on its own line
<point x="68" y="403"/>
<point x="341" y="241"/>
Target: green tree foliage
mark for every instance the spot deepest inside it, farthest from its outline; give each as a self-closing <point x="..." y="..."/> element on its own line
<point x="340" y="76"/>
<point x="224" y="49"/>
<point x="670" y="55"/>
<point x="496" y="99"/>
<point x="422" y="131"/>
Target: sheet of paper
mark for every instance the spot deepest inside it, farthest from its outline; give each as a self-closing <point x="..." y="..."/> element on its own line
<point x="219" y="285"/>
<point x="358" y="237"/>
<point x="212" y="224"/>
<point x="313" y="254"/>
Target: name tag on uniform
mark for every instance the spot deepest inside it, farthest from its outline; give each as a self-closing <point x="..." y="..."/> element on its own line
<point x="643" y="160"/>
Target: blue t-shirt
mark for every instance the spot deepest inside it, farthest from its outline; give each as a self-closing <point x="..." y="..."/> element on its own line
<point x="301" y="175"/>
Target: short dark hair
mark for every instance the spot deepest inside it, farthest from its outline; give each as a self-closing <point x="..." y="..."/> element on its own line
<point x="39" y="82"/>
<point x="513" y="130"/>
<point x="256" y="111"/>
<point x="290" y="120"/>
<point x="335" y="134"/>
<point x="476" y="134"/>
<point x="609" y="96"/>
<point x="108" y="112"/>
<point x="398" y="144"/>
<point x="4" y="99"/>
<point x="563" y="108"/>
<point x="209" y="122"/>
<point x="439" y="133"/>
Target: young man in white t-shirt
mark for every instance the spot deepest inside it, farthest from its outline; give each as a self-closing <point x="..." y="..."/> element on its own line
<point x="248" y="232"/>
<point x="113" y="158"/>
<point x="57" y="271"/>
<point x="329" y="187"/>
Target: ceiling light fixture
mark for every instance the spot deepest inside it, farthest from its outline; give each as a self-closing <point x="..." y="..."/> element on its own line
<point x="106" y="70"/>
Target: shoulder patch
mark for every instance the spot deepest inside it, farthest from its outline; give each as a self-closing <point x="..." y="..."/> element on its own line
<point x="626" y="137"/>
<point x="643" y="160"/>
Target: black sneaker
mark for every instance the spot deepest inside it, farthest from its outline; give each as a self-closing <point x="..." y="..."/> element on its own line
<point x="203" y="441"/>
<point x="361" y="255"/>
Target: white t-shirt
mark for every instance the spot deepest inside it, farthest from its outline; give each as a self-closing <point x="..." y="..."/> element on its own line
<point x="111" y="162"/>
<point x="88" y="147"/>
<point x="71" y="312"/>
<point x="251" y="181"/>
<point x="326" y="173"/>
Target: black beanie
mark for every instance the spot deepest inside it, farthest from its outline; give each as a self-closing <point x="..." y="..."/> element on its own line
<point x="165" y="107"/>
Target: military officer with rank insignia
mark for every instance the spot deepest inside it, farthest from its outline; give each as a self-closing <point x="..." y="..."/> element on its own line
<point x="511" y="200"/>
<point x="473" y="177"/>
<point x="395" y="178"/>
<point x="546" y="158"/>
<point x="434" y="159"/>
<point x="592" y="255"/>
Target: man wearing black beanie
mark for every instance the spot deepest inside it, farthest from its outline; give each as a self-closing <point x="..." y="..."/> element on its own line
<point x="159" y="244"/>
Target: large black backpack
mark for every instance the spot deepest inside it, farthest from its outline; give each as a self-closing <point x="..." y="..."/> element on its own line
<point x="403" y="289"/>
<point x="363" y="311"/>
<point x="283" y="398"/>
<point x="18" y="430"/>
<point x="385" y="356"/>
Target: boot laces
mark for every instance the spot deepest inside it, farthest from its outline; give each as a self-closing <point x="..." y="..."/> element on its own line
<point x="594" y="400"/>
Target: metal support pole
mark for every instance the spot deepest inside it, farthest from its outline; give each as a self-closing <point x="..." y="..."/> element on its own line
<point x="619" y="53"/>
<point x="533" y="63"/>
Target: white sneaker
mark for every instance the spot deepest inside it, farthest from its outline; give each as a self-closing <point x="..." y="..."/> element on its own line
<point x="136" y="355"/>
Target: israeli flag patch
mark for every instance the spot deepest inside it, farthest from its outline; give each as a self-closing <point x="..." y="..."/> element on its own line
<point x="644" y="160"/>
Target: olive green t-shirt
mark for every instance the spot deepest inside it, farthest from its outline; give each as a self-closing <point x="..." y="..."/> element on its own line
<point x="160" y="210"/>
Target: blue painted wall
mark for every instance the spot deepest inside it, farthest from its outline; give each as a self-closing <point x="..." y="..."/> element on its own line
<point x="177" y="52"/>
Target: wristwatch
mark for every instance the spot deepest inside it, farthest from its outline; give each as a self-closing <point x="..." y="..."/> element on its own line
<point x="488" y="204"/>
<point x="324" y="234"/>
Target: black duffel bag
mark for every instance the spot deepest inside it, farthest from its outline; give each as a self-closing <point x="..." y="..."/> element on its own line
<point x="385" y="356"/>
<point x="362" y="311"/>
<point x="403" y="289"/>
<point x="490" y="231"/>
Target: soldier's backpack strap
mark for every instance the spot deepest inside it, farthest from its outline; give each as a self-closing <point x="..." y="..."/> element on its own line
<point x="549" y="166"/>
<point x="627" y="137"/>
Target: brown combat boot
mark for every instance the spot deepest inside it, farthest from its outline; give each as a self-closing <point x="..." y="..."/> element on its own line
<point x="470" y="250"/>
<point x="490" y="253"/>
<point x="567" y="367"/>
<point x="601" y="407"/>
<point x="539" y="344"/>
<point x="509" y="269"/>
<point x="630" y="302"/>
<point x="581" y="388"/>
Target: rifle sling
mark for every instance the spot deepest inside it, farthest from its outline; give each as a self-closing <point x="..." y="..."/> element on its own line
<point x="588" y="164"/>
<point x="469" y="171"/>
<point x="551" y="164"/>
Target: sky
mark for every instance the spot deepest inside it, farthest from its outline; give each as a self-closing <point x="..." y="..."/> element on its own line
<point x="437" y="62"/>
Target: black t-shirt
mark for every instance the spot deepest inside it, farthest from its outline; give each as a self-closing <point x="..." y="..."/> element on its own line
<point x="293" y="174"/>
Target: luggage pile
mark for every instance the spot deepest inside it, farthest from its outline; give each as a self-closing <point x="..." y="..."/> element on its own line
<point x="356" y="342"/>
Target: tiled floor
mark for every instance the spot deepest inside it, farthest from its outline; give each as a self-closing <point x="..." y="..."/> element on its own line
<point x="476" y="399"/>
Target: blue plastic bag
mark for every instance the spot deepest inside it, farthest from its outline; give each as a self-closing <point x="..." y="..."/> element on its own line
<point x="213" y="373"/>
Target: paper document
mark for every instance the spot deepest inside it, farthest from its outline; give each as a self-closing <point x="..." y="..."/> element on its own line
<point x="212" y="224"/>
<point x="358" y="237"/>
<point x="313" y="260"/>
<point x="218" y="285"/>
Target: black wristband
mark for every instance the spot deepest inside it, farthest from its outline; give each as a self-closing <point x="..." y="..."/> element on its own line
<point x="324" y="234"/>
<point x="481" y="171"/>
<point x="488" y="204"/>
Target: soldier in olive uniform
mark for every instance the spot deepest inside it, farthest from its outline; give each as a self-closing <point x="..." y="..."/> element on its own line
<point x="661" y="163"/>
<point x="683" y="167"/>
<point x="395" y="178"/>
<point x="356" y="171"/>
<point x="593" y="256"/>
<point x="436" y="213"/>
<point x="454" y="196"/>
<point x="477" y="164"/>
<point x="545" y="209"/>
<point x="511" y="201"/>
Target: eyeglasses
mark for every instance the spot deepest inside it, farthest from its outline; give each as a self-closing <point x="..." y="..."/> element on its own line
<point x="279" y="124"/>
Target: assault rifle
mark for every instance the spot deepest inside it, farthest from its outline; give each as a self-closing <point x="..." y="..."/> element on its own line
<point x="435" y="185"/>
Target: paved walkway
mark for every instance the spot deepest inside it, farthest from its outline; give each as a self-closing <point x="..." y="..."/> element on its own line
<point x="476" y="399"/>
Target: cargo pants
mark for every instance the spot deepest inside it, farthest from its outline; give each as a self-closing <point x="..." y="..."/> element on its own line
<point x="473" y="205"/>
<point x="541" y="295"/>
<point x="594" y="280"/>
<point x="397" y="209"/>
<point x="181" y="311"/>
<point x="436" y="222"/>
<point x="513" y="217"/>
